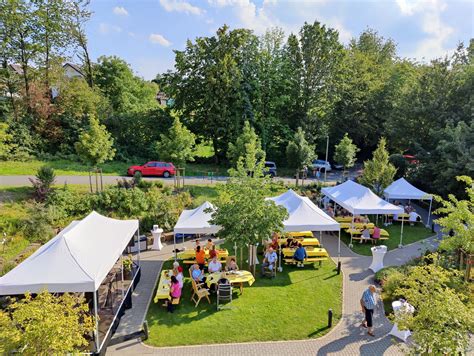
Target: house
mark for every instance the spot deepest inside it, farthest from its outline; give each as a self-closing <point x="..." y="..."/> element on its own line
<point x="72" y="70"/>
<point x="162" y="98"/>
<point x="16" y="68"/>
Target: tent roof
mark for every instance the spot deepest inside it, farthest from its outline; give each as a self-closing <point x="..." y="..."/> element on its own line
<point x="402" y="189"/>
<point x="358" y="199"/>
<point x="77" y="260"/>
<point x="304" y="215"/>
<point x="196" y="221"/>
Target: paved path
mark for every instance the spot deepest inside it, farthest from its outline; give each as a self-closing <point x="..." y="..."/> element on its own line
<point x="347" y="338"/>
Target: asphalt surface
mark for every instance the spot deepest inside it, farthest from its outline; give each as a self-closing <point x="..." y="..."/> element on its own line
<point x="22" y="180"/>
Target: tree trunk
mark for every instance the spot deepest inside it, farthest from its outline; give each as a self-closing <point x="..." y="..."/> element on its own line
<point x="24" y="66"/>
<point x="297" y="176"/>
<point x="90" y="180"/>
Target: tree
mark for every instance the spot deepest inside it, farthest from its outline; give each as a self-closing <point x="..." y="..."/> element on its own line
<point x="378" y="172"/>
<point x="125" y="91"/>
<point x="443" y="316"/>
<point x="242" y="211"/>
<point x="43" y="183"/>
<point x="46" y="324"/>
<point x="246" y="141"/>
<point x="457" y="216"/>
<point x="177" y="145"/>
<point x="345" y="153"/>
<point x="95" y="146"/>
<point x="299" y="152"/>
<point x="6" y="145"/>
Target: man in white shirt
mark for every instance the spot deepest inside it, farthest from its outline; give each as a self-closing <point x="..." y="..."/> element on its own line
<point x="269" y="260"/>
<point x="413" y="217"/>
<point x="214" y="266"/>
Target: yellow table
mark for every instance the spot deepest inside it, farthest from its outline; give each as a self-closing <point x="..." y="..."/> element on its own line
<point x="300" y="234"/>
<point x="383" y="232"/>
<point x="311" y="252"/>
<point x="313" y="241"/>
<point x="343" y="219"/>
<point x="191" y="254"/>
<point x="357" y="225"/>
<point x="239" y="278"/>
<point x="163" y="290"/>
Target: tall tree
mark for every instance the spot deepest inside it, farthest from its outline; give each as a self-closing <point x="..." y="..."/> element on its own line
<point x="246" y="141"/>
<point x="299" y="152"/>
<point x="345" y="153"/>
<point x="177" y="145"/>
<point x="378" y="172"/>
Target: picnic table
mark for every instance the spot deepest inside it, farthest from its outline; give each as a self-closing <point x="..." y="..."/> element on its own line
<point x="235" y="278"/>
<point x="191" y="254"/>
<point x="301" y="234"/>
<point x="342" y="219"/>
<point x="305" y="242"/>
<point x="163" y="290"/>
<point x="310" y="251"/>
<point x="357" y="225"/>
<point x="383" y="232"/>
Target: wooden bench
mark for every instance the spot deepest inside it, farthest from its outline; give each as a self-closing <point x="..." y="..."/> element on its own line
<point x="191" y="262"/>
<point x="291" y="261"/>
<point x="359" y="238"/>
<point x="176" y="301"/>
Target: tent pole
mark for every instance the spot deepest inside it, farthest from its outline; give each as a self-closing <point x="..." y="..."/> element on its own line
<point x="121" y="263"/>
<point x="429" y="214"/>
<point x="96" y="315"/>
<point x="174" y="243"/>
<point x="401" y="235"/>
<point x="138" y="233"/>
<point x="352" y="226"/>
<point x="321" y="238"/>
<point x="339" y="246"/>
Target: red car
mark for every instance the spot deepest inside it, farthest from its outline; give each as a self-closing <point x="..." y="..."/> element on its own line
<point x="153" y="168"/>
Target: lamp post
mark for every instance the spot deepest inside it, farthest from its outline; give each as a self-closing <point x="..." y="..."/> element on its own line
<point x="327" y="149"/>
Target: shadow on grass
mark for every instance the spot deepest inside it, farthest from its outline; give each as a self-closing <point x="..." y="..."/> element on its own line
<point x="318" y="331"/>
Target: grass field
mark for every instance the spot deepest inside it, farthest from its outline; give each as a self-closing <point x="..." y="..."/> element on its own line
<point x="410" y="234"/>
<point x="297" y="297"/>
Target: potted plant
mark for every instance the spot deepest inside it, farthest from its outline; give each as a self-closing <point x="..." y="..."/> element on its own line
<point x="127" y="267"/>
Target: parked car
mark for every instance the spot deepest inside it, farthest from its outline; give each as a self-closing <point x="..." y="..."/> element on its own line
<point x="153" y="168"/>
<point x="411" y="159"/>
<point x="323" y="166"/>
<point x="270" y="169"/>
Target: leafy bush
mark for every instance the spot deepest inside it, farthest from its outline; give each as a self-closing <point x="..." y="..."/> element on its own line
<point x="42" y="185"/>
<point x="7" y="267"/>
<point x="37" y="227"/>
<point x="382" y="275"/>
<point x="68" y="204"/>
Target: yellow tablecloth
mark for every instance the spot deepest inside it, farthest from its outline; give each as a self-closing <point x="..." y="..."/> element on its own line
<point x="357" y="225"/>
<point x="383" y="232"/>
<point x="191" y="254"/>
<point x="343" y="218"/>
<point x="305" y="242"/>
<point x="163" y="290"/>
<point x="300" y="234"/>
<point x="237" y="278"/>
<point x="311" y="252"/>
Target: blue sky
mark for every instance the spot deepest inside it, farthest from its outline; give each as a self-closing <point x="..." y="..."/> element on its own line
<point x="145" y="32"/>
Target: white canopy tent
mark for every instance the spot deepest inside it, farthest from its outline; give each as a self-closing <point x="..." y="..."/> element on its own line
<point x="402" y="189"/>
<point x="195" y="221"/>
<point x="304" y="215"/>
<point x="77" y="260"/>
<point x="358" y="199"/>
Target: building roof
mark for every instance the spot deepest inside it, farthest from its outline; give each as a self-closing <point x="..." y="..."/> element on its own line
<point x="76" y="67"/>
<point x="16" y="68"/>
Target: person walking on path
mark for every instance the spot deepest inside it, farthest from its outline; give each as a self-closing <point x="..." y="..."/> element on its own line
<point x="368" y="303"/>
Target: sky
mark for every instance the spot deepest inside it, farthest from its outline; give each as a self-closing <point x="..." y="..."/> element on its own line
<point x="145" y="32"/>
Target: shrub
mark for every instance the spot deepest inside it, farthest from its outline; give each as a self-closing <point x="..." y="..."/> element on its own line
<point x="42" y="185"/>
<point x="37" y="227"/>
<point x="7" y="267"/>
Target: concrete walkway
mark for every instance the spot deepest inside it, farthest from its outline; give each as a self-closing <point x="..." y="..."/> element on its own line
<point x="347" y="338"/>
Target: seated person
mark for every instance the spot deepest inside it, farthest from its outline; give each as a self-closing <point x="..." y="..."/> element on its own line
<point x="214" y="265"/>
<point x="175" y="293"/>
<point x="274" y="244"/>
<point x="213" y="252"/>
<point x="376" y="234"/>
<point x="232" y="265"/>
<point x="200" y="257"/>
<point x="289" y="242"/>
<point x="209" y="245"/>
<point x="223" y="280"/>
<point x="413" y="217"/>
<point x="178" y="273"/>
<point x="300" y="255"/>
<point x="365" y="234"/>
<point x="365" y="219"/>
<point x="197" y="244"/>
<point x="269" y="260"/>
<point x="330" y="211"/>
<point x="197" y="274"/>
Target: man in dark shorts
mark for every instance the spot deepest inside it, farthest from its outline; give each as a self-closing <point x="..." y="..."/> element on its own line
<point x="368" y="303"/>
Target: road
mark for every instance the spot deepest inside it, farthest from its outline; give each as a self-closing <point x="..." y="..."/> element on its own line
<point x="60" y="180"/>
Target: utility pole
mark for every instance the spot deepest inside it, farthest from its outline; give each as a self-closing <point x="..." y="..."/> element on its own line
<point x="327" y="149"/>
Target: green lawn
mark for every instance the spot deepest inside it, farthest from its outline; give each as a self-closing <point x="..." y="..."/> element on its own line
<point x="292" y="306"/>
<point x="410" y="234"/>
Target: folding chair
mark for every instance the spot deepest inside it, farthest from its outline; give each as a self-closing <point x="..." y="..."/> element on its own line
<point x="199" y="292"/>
<point x="224" y="293"/>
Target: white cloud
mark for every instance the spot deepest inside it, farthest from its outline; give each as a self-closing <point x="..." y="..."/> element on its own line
<point x="181" y="6"/>
<point x="438" y="33"/>
<point x="106" y="29"/>
<point x="159" y="39"/>
<point x="120" y="10"/>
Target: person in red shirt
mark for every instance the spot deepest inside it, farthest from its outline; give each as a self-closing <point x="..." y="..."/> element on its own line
<point x="213" y="252"/>
<point x="200" y="257"/>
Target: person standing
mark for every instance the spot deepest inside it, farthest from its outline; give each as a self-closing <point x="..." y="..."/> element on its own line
<point x="368" y="303"/>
